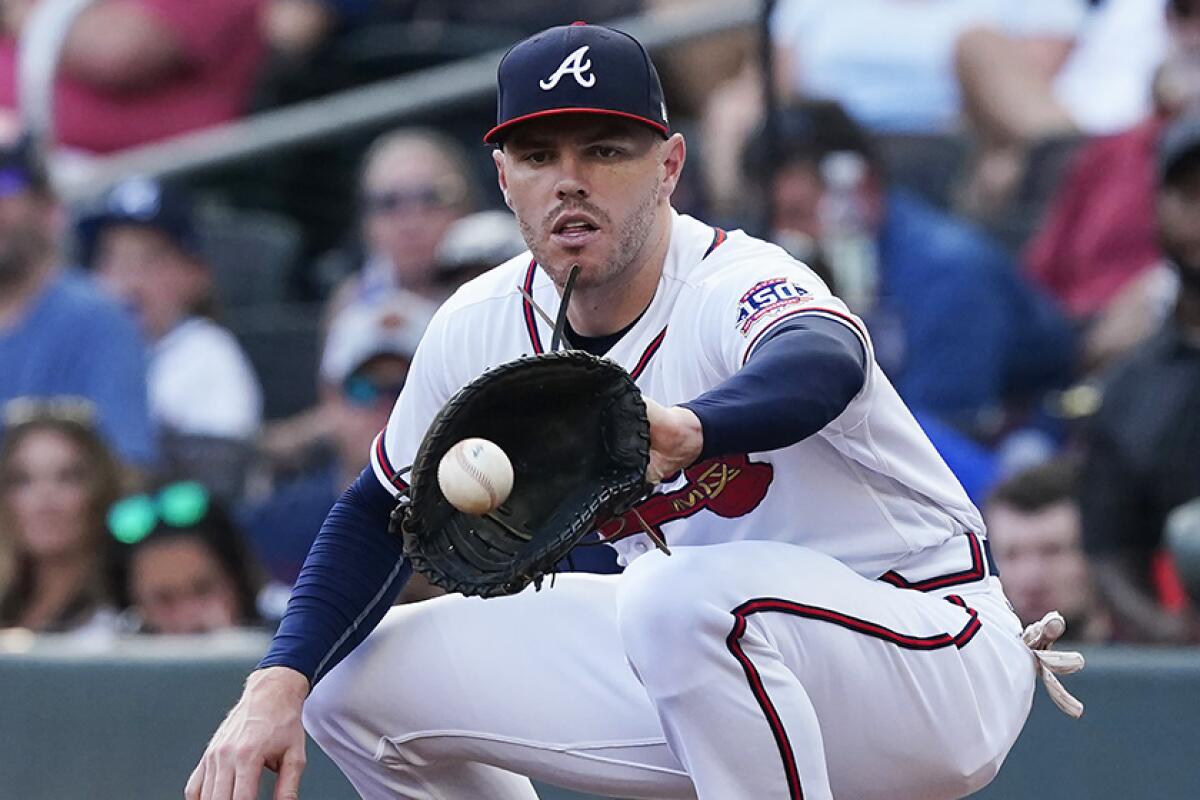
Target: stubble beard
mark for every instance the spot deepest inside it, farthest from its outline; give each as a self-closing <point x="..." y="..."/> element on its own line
<point x="633" y="232"/>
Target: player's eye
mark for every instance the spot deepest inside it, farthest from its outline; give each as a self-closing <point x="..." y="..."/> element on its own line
<point x="605" y="151"/>
<point x="536" y="157"/>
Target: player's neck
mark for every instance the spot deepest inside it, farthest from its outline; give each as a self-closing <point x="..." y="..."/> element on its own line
<point x="602" y="310"/>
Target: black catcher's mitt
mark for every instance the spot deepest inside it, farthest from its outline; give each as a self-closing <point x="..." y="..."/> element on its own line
<point x="574" y="427"/>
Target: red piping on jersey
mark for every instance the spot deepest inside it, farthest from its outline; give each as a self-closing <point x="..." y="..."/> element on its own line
<point x="719" y="237"/>
<point x="527" y="307"/>
<point x="977" y="571"/>
<point x="849" y="320"/>
<point x="651" y="349"/>
<point x="874" y="630"/>
<point x="389" y="471"/>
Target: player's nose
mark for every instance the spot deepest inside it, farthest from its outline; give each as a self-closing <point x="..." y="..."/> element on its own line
<point x="571" y="182"/>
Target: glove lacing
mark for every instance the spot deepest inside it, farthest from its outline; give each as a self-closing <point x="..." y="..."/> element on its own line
<point x="1039" y="637"/>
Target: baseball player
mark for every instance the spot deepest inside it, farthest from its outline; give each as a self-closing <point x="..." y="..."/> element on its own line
<point x="829" y="622"/>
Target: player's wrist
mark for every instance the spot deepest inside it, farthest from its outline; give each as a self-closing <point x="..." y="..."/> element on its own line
<point x="281" y="680"/>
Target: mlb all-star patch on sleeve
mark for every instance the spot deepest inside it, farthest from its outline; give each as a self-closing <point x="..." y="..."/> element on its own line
<point x="757" y="289"/>
<point x="800" y="377"/>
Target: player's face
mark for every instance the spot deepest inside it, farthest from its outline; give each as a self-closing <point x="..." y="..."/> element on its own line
<point x="179" y="587"/>
<point x="1041" y="560"/>
<point x="588" y="190"/>
<point x="48" y="495"/>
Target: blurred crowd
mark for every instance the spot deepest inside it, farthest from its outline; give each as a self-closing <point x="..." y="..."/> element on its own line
<point x="1006" y="191"/>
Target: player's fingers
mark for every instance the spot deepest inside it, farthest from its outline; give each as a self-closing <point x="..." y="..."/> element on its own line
<point x="195" y="781"/>
<point x="290" y="769"/>
<point x="221" y="787"/>
<point x="245" y="780"/>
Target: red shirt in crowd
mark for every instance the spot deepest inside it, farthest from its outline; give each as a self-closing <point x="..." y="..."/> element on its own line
<point x="1099" y="232"/>
<point x="222" y="52"/>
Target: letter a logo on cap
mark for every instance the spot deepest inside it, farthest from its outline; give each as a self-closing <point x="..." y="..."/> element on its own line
<point x="575" y="65"/>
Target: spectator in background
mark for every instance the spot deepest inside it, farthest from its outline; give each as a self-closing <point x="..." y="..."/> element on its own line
<point x="57" y="478"/>
<point x="204" y="395"/>
<point x="1034" y="528"/>
<point x="365" y="361"/>
<point x="475" y="244"/>
<point x="59" y="334"/>
<point x="135" y="71"/>
<point x="415" y="184"/>
<point x="955" y="327"/>
<point x="890" y="63"/>
<point x="185" y="568"/>
<point x="1141" y="447"/>
<point x="1098" y="247"/>
<point x="1098" y="85"/>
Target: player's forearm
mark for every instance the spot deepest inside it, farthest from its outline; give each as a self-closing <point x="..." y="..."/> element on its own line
<point x="794" y="384"/>
<point x="351" y="576"/>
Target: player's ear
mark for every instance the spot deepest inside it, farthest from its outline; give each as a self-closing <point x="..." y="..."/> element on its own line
<point x="499" y="159"/>
<point x="673" y="153"/>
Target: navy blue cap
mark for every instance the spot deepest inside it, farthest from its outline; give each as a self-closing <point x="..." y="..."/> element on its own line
<point x="578" y="68"/>
<point x="147" y="203"/>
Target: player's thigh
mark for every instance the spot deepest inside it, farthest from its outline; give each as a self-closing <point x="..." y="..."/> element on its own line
<point x="536" y="683"/>
<point x="908" y="687"/>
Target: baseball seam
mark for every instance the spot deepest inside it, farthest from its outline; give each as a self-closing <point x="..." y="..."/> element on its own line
<point x="478" y="474"/>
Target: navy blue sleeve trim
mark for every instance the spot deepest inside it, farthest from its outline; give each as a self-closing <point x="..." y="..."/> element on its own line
<point x="798" y="379"/>
<point x="353" y="573"/>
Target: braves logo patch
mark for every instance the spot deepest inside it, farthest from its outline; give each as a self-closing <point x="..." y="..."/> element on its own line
<point x="575" y="66"/>
<point x="768" y="297"/>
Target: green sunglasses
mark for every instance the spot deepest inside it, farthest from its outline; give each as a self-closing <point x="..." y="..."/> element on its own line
<point x="178" y="504"/>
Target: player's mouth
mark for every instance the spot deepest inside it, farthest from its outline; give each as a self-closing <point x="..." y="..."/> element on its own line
<point x="573" y="230"/>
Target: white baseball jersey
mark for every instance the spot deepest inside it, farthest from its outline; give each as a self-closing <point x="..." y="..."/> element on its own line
<point x="869" y="489"/>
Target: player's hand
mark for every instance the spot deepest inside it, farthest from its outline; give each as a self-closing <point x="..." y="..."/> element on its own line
<point x="676" y="439"/>
<point x="263" y="729"/>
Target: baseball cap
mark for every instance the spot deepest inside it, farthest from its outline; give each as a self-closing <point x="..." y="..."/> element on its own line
<point x="21" y="167"/>
<point x="147" y="203"/>
<point x="578" y="68"/>
<point x="388" y="326"/>
<point x="1180" y="144"/>
<point x="480" y="240"/>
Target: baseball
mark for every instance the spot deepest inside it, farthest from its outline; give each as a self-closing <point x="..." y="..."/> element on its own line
<point x="475" y="476"/>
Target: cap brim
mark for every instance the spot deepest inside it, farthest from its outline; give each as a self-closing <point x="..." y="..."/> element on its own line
<point x="494" y="135"/>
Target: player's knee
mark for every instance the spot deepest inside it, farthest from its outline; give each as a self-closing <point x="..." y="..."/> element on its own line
<point x="324" y="705"/>
<point x="667" y="607"/>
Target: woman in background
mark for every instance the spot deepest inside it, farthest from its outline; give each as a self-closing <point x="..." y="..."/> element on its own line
<point x="57" y="479"/>
<point x="185" y="568"/>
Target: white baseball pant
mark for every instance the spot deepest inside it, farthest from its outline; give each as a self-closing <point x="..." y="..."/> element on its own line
<point x="750" y="669"/>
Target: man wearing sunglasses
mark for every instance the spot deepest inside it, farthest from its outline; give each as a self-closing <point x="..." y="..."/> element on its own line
<point x="415" y="185"/>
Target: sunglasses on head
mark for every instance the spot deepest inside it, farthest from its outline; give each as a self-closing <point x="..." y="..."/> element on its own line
<point x="178" y="505"/>
<point x="363" y="390"/>
<point x="63" y="408"/>
<point x="423" y="197"/>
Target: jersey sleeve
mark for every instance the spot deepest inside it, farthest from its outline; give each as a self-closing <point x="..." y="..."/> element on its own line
<point x="428" y="386"/>
<point x="742" y="303"/>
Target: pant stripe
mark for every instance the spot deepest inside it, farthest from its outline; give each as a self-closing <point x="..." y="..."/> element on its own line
<point x="872" y="629"/>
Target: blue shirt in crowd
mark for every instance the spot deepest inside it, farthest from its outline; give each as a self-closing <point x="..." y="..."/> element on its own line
<point x="75" y="341"/>
<point x="971" y="331"/>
